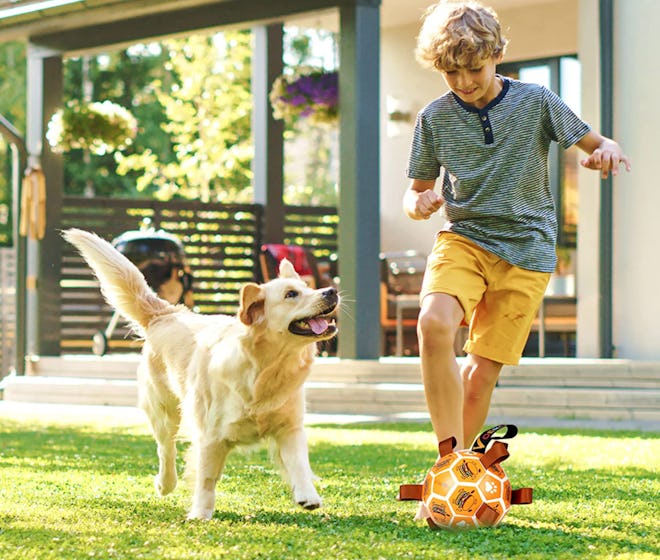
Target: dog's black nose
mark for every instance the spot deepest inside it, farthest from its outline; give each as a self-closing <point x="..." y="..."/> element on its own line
<point x="330" y="295"/>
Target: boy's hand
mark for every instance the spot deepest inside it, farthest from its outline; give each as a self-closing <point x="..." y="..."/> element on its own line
<point x="420" y="201"/>
<point x="607" y="157"/>
<point x="428" y="203"/>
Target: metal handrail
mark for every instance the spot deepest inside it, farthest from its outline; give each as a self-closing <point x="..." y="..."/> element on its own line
<point x="13" y="137"/>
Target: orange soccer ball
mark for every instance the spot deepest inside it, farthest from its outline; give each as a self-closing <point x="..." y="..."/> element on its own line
<point x="459" y="492"/>
<point x="467" y="488"/>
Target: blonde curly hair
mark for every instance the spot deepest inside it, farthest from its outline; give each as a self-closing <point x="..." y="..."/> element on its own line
<point x="459" y="35"/>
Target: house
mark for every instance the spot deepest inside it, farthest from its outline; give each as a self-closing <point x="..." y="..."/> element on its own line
<point x="615" y="269"/>
<point x="614" y="266"/>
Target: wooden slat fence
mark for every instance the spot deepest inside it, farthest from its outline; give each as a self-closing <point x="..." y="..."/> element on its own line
<point x="221" y="241"/>
<point x="314" y="228"/>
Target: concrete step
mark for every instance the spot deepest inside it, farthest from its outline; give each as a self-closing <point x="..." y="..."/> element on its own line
<point x="563" y="372"/>
<point x="70" y="390"/>
<point x="544" y="372"/>
<point x="531" y="372"/>
<point x="615" y="390"/>
<point x="394" y="398"/>
<point x="112" y="366"/>
<point x="373" y="399"/>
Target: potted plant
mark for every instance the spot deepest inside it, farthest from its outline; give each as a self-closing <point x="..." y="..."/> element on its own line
<point x="98" y="126"/>
<point x="308" y="93"/>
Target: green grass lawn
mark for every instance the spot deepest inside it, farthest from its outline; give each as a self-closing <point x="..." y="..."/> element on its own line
<point x="74" y="489"/>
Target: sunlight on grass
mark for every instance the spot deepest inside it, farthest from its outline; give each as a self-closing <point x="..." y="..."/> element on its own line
<point x="75" y="487"/>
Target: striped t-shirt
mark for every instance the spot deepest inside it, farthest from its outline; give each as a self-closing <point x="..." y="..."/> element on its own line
<point x="495" y="168"/>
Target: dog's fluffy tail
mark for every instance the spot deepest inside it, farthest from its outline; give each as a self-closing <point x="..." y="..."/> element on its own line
<point x="122" y="284"/>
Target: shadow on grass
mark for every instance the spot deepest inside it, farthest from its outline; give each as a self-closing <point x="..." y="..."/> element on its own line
<point x="385" y="534"/>
<point x="398" y="532"/>
<point x="57" y="448"/>
<point x="114" y="452"/>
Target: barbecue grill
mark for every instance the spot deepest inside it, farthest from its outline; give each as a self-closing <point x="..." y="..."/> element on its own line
<point x="161" y="258"/>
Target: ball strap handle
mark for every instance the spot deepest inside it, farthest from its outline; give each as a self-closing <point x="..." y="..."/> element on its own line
<point x="410" y="492"/>
<point x="522" y="496"/>
<point x="446" y="446"/>
<point x="414" y="491"/>
<point x="487" y="436"/>
<point x="487" y="515"/>
<point x="497" y="453"/>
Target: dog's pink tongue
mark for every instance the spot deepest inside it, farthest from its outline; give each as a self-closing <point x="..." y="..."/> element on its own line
<point x="318" y="326"/>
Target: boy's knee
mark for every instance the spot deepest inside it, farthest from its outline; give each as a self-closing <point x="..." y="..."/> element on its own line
<point x="480" y="377"/>
<point x="433" y="326"/>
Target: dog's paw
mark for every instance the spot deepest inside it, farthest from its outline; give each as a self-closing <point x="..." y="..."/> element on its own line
<point x="201" y="514"/>
<point x="422" y="512"/>
<point x="309" y="500"/>
<point x="311" y="505"/>
<point x="164" y="485"/>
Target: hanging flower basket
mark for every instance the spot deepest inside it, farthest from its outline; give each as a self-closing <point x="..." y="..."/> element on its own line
<point x="308" y="93"/>
<point x="100" y="127"/>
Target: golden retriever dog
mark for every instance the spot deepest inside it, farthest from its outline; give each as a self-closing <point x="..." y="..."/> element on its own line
<point x="229" y="380"/>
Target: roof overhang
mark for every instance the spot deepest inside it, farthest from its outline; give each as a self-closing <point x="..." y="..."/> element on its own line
<point x="76" y="26"/>
<point x="81" y="25"/>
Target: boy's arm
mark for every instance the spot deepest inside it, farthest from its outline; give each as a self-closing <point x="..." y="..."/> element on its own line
<point x="604" y="154"/>
<point x="420" y="200"/>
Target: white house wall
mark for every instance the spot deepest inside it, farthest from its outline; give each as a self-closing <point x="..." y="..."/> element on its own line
<point x="636" y="195"/>
<point x="540" y="30"/>
<point x="403" y="80"/>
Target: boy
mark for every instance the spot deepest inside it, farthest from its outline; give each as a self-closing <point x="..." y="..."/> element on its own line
<point x="487" y="140"/>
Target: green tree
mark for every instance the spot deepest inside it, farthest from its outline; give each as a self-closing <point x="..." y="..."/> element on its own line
<point x="12" y="108"/>
<point x="192" y="100"/>
<point x="123" y="77"/>
<point x="12" y="83"/>
<point x="208" y="105"/>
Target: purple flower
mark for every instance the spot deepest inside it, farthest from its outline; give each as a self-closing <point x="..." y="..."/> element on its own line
<point x="314" y="94"/>
<point x="318" y="88"/>
<point x="297" y="100"/>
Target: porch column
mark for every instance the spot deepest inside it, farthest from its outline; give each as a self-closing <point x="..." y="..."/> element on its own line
<point x="635" y="195"/>
<point x="606" y="26"/>
<point x="44" y="96"/>
<point x="359" y="179"/>
<point x="268" y="163"/>
<point x="589" y="227"/>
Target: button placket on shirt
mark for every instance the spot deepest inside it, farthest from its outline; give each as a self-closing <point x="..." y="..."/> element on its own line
<point x="486" y="127"/>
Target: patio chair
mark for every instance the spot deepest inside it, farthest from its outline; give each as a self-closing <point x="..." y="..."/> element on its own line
<point x="400" y="284"/>
<point x="302" y="260"/>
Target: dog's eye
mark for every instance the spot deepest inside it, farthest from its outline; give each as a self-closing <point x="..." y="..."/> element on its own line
<point x="291" y="294"/>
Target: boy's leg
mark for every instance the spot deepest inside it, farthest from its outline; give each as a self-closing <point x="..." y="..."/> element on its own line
<point x="498" y="332"/>
<point x="479" y="379"/>
<point x="439" y="318"/>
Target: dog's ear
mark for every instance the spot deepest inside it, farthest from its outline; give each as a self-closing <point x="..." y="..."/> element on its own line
<point x="251" y="308"/>
<point x="287" y="270"/>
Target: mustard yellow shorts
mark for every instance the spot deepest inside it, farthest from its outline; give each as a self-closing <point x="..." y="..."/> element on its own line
<point x="500" y="300"/>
